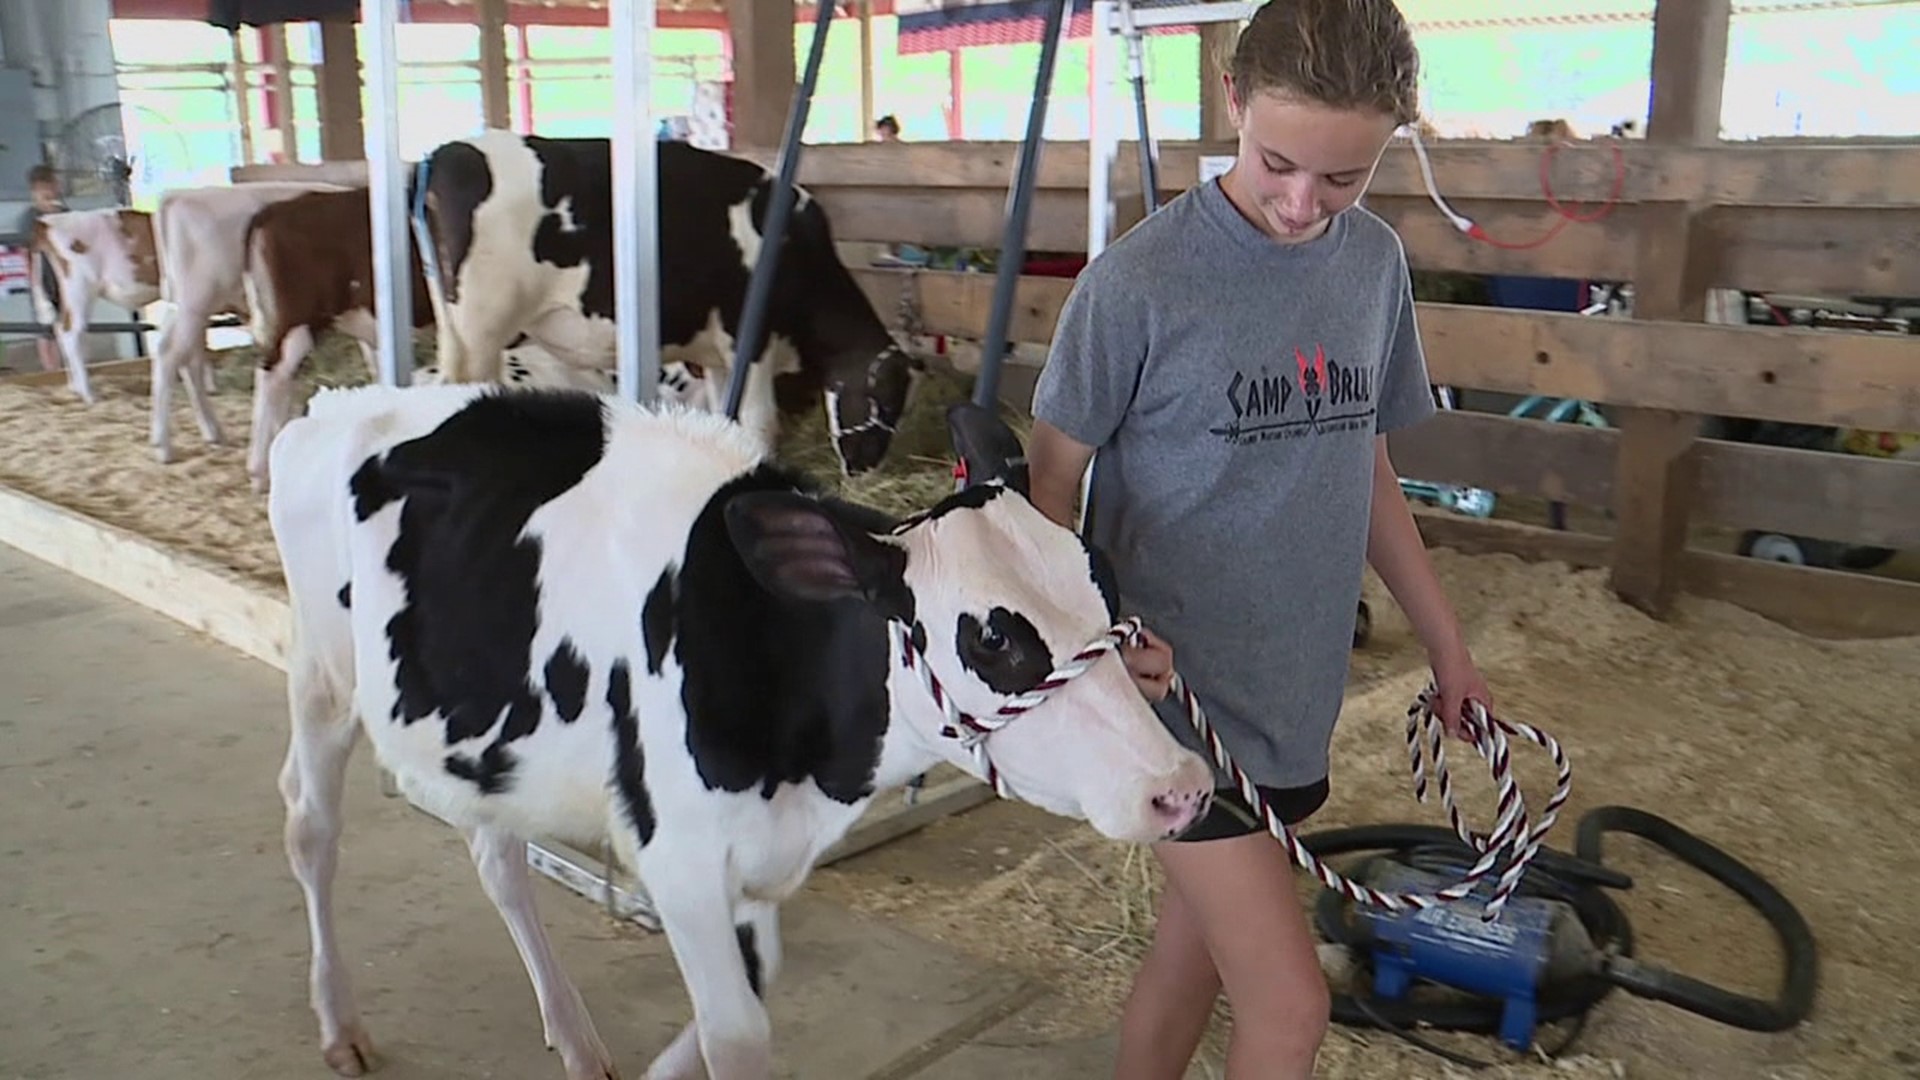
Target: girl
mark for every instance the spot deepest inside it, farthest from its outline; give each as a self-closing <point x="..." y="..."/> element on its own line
<point x="1235" y="362"/>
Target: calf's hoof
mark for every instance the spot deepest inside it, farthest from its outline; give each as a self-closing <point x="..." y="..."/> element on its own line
<point x="163" y="454"/>
<point x="351" y="1053"/>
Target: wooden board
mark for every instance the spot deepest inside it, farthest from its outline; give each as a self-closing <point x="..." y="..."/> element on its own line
<point x="345" y="173"/>
<point x="1771" y="373"/>
<point x="1569" y="463"/>
<point x="1764" y="174"/>
<point x="1806" y="376"/>
<point x="1764" y="248"/>
<point x="1823" y="602"/>
<point x="1831" y="496"/>
<point x="59" y="378"/>
<point x="1860" y="500"/>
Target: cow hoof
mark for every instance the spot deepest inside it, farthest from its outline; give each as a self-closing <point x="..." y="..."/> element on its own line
<point x="259" y="485"/>
<point x="163" y="454"/>
<point x="352" y="1053"/>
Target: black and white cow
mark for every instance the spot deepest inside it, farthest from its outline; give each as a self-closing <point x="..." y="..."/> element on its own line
<point x="681" y="649"/>
<point x="522" y="229"/>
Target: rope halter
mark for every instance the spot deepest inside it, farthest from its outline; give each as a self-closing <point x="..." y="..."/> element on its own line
<point x="971" y="730"/>
<point x="1511" y="832"/>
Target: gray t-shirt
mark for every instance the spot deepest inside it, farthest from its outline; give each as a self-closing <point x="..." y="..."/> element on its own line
<point x="1232" y="387"/>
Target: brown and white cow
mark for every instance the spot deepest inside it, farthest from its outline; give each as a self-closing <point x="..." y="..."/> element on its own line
<point x="201" y="238"/>
<point x="522" y="228"/>
<point x="309" y="268"/>
<point x="94" y="255"/>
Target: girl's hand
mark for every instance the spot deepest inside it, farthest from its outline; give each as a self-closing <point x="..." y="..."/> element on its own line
<point x="1458" y="681"/>
<point x="1150" y="663"/>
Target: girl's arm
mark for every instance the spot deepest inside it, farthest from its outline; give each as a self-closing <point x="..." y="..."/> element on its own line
<point x="1055" y="463"/>
<point x="1399" y="555"/>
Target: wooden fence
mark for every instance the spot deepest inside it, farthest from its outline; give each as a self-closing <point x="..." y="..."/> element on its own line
<point x="1837" y="219"/>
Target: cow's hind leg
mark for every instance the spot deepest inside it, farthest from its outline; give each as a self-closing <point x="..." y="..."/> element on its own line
<point x="312" y="783"/>
<point x="501" y="859"/>
<point x="758" y="930"/>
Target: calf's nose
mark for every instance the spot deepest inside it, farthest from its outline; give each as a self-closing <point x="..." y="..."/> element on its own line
<point x="1180" y="810"/>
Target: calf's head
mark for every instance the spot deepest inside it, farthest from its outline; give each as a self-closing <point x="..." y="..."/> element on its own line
<point x="865" y="397"/>
<point x="995" y="597"/>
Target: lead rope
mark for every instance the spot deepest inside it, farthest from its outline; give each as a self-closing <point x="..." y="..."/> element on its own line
<point x="1510" y="833"/>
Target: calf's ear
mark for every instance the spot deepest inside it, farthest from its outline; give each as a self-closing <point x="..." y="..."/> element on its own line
<point x="987" y="448"/>
<point x="796" y="547"/>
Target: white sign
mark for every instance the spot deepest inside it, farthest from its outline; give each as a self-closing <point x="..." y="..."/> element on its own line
<point x="1212" y="165"/>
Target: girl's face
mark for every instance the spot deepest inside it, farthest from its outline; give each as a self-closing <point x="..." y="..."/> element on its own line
<point x="1300" y="162"/>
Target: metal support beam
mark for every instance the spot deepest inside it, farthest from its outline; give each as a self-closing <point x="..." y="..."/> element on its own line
<point x="387" y="196"/>
<point x="1103" y="136"/>
<point x="1013" y="241"/>
<point x="1194" y="14"/>
<point x="1137" y="75"/>
<point x="636" y="202"/>
<point x="773" y="230"/>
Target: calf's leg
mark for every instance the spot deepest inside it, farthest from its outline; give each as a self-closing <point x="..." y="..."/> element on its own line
<point x="181" y="353"/>
<point x="70" y="333"/>
<point x="758" y="930"/>
<point x="696" y="908"/>
<point x="501" y="859"/>
<point x="273" y="400"/>
<point x="311" y="783"/>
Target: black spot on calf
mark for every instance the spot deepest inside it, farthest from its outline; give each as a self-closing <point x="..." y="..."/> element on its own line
<point x="492" y="773"/>
<point x="778" y="691"/>
<point x="462" y="642"/>
<point x="656" y="620"/>
<point x="629" y="763"/>
<point x="345" y="595"/>
<point x="1005" y="651"/>
<point x="567" y="681"/>
<point x="750" y="954"/>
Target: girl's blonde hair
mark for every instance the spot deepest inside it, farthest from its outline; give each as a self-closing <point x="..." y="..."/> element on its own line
<point x="1346" y="54"/>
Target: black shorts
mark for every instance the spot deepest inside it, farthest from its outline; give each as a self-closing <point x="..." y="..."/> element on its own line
<point x="1230" y="815"/>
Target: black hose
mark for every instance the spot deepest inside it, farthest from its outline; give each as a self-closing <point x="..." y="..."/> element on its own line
<point x="1578" y="881"/>
<point x="1796" y="937"/>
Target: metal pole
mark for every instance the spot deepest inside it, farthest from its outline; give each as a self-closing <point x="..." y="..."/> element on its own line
<point x="387" y="196"/>
<point x="636" y="202"/>
<point x="1013" y="243"/>
<point x="753" y="312"/>
<point x="1103" y="143"/>
<point x="1137" y="73"/>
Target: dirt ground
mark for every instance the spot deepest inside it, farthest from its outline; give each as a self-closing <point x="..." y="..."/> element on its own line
<point x="1788" y="752"/>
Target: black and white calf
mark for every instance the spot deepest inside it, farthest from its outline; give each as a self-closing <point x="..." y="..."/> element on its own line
<point x="522" y="230"/>
<point x="556" y="613"/>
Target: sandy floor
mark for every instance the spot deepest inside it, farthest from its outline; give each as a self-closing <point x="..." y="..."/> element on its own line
<point x="1788" y="752"/>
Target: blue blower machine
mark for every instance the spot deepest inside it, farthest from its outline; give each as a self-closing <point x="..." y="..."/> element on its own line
<point x="1559" y="947"/>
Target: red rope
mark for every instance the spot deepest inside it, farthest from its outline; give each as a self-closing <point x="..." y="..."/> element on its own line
<point x="1567" y="215"/>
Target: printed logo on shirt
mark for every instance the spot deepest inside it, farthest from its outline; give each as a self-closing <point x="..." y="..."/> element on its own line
<point x="1318" y="397"/>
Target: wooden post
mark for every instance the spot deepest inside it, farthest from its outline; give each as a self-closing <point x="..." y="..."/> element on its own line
<point x="763" y="70"/>
<point x="342" y="137"/>
<point x="1654" y="472"/>
<point x="242" y="99"/>
<point x="273" y="40"/>
<point x="495" y="83"/>
<point x="1216" y="59"/>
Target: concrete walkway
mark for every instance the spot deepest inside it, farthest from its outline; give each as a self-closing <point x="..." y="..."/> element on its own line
<point x="150" y="927"/>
